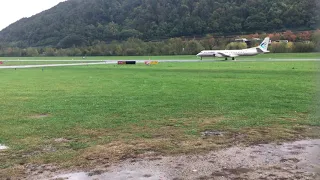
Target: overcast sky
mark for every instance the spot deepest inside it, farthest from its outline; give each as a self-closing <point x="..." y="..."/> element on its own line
<point x="13" y="10"/>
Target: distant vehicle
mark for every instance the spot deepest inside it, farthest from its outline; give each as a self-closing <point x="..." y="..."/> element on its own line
<point x="241" y="40"/>
<point x="261" y="49"/>
<point x="282" y="41"/>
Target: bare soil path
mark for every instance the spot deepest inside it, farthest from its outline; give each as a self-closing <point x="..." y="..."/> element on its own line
<point x="294" y="160"/>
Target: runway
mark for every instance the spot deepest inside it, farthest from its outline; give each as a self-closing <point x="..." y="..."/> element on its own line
<point x="106" y="62"/>
<point x="53" y="65"/>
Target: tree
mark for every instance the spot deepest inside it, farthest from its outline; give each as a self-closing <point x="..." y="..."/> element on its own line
<point x="49" y="51"/>
<point x="304" y="47"/>
<point x="72" y="40"/>
<point x="112" y="30"/>
<point x="316" y="39"/>
<point x="208" y="42"/>
<point x="254" y="22"/>
<point x="32" y="52"/>
<point x="193" y="47"/>
<point x="176" y="46"/>
<point x="127" y="33"/>
<point x="290" y="36"/>
<point x="236" y="45"/>
<point x="278" y="48"/>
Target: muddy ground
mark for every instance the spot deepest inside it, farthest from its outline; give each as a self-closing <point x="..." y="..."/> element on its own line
<point x="294" y="160"/>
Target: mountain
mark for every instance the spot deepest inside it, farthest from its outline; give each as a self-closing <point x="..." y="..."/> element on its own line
<point x="83" y="22"/>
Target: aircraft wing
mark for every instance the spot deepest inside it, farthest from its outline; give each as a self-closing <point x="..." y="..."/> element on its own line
<point x="228" y="54"/>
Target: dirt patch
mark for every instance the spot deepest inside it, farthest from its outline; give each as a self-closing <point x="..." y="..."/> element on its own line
<point x="213" y="133"/>
<point x="166" y="141"/>
<point x="120" y="151"/>
<point x="210" y="121"/>
<point x="61" y="140"/>
<point x="263" y="161"/>
<point x="288" y="118"/>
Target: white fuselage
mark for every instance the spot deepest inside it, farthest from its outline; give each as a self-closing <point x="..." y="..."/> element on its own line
<point x="261" y="49"/>
<point x="229" y="53"/>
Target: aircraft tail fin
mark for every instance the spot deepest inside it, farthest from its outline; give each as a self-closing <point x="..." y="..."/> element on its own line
<point x="264" y="45"/>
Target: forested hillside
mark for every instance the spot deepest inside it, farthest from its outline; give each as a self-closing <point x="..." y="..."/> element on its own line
<point x="82" y="22"/>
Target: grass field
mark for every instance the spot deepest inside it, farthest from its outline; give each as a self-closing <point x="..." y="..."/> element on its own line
<point x="83" y="116"/>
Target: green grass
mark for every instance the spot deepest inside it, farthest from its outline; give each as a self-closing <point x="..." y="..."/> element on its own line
<point x="140" y="108"/>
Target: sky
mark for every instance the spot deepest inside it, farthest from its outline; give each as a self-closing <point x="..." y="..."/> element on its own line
<point x="13" y="10"/>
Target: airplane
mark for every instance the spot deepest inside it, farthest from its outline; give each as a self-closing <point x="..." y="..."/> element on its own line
<point x="261" y="49"/>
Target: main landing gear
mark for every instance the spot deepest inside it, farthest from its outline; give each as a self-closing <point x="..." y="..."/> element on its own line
<point x="233" y="59"/>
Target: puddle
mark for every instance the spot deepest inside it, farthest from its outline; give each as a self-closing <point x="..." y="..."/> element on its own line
<point x="3" y="147"/>
<point x="119" y="175"/>
<point x="297" y="160"/>
<point x="74" y="176"/>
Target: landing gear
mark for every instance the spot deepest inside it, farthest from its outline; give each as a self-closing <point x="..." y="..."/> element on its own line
<point x="233" y="59"/>
<point x="225" y="59"/>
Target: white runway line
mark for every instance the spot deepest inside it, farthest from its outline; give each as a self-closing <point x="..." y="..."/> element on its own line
<point x="55" y="65"/>
<point x="100" y="62"/>
<point x="40" y="60"/>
